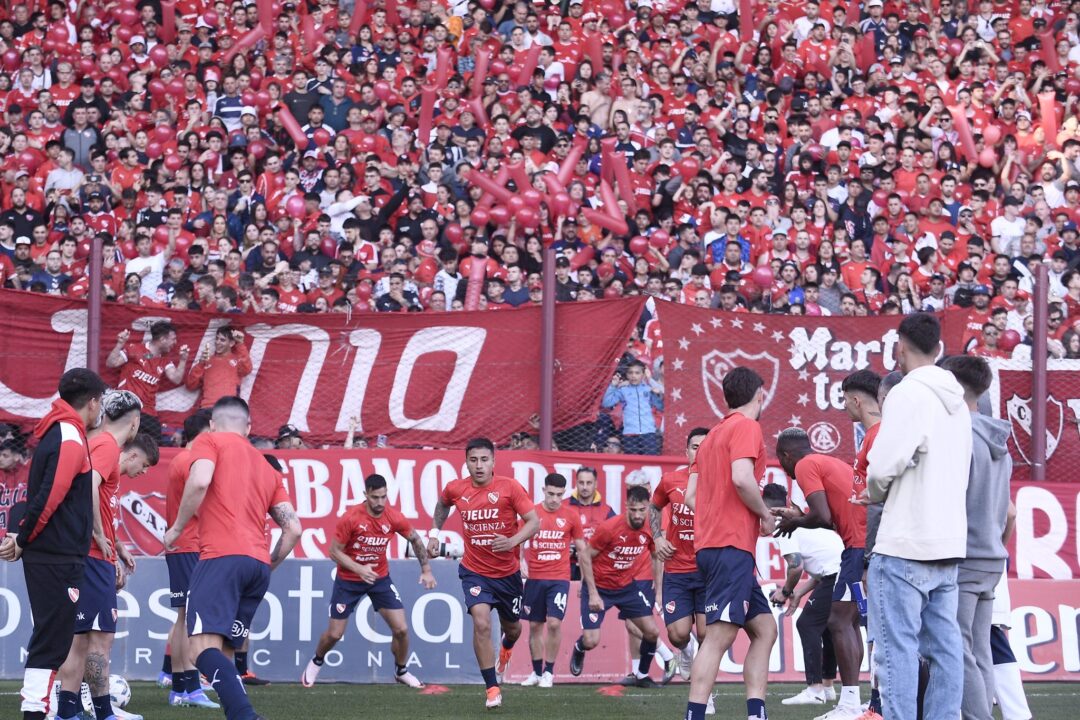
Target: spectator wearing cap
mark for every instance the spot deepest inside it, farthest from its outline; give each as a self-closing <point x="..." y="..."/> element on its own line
<point x="289" y="438"/>
<point x="566" y="288"/>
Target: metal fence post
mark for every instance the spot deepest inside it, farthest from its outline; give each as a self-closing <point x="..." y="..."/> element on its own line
<point x="1038" y="375"/>
<point x="547" y="352"/>
<point x="93" y="308"/>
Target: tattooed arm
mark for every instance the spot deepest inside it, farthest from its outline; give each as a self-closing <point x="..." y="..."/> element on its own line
<point x="426" y="578"/>
<point x="437" y="520"/>
<point x="664" y="550"/>
<point x="285" y="516"/>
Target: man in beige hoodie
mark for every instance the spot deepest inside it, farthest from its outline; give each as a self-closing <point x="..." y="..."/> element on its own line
<point x="919" y="467"/>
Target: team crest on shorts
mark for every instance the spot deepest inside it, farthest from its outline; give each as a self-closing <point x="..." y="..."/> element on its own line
<point x="593" y="617"/>
<point x="560" y="523"/>
<point x="73" y="594"/>
<point x="528" y="609"/>
<point x="114" y="614"/>
<point x="670" y="607"/>
<point x="745" y="607"/>
<point x="493" y="497"/>
<point x="340" y="607"/>
<point x="475" y="591"/>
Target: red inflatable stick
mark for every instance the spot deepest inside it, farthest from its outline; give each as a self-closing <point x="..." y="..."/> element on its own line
<point x="489" y="186"/>
<point x="607" y="163"/>
<point x="359" y="17"/>
<point x="582" y="257"/>
<point x="622" y="178"/>
<point x="311" y="34"/>
<point x="427" y="114"/>
<point x="245" y="43"/>
<point x="477" y="272"/>
<point x="266" y="15"/>
<point x="967" y="142"/>
<point x="288" y="121"/>
<point x="594" y="50"/>
<point x="483" y="59"/>
<point x="611" y="203"/>
<point x="519" y="176"/>
<point x="442" y="67"/>
<point x="168" y="20"/>
<point x="746" y="20"/>
<point x="1048" y="51"/>
<point x="605" y="221"/>
<point x="478" y="111"/>
<point x="532" y="57"/>
<point x="569" y="163"/>
<point x="1048" y="118"/>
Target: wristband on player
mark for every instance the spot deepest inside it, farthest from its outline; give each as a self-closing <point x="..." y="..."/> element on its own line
<point x="786" y="593"/>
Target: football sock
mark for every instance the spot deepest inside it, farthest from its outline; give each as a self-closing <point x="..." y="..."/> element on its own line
<point x="67" y="705"/>
<point x="648" y="649"/>
<point x="664" y="652"/>
<point x="318" y="661"/>
<point x="401" y="669"/>
<point x="549" y="667"/>
<point x="849" y="696"/>
<point x="226" y="683"/>
<point x="241" y="663"/>
<point x="695" y="711"/>
<point x="102" y="707"/>
<point x="192" y="683"/>
<point x="179" y="681"/>
<point x="538" y="667"/>
<point x="579" y="645"/>
<point x="755" y="708"/>
<point x="507" y="643"/>
<point x="166" y="664"/>
<point x="489" y="677"/>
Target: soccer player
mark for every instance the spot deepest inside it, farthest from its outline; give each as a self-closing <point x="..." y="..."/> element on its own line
<point x="186" y="684"/>
<point x="723" y="487"/>
<point x="829" y="488"/>
<point x="117" y="449"/>
<point x="615" y="549"/>
<point x="815" y="552"/>
<point x="547" y="586"/>
<point x="143" y="365"/>
<point x="683" y="592"/>
<point x="359" y="548"/>
<point x="489" y="506"/>
<point x="53" y="536"/>
<point x="232" y="488"/>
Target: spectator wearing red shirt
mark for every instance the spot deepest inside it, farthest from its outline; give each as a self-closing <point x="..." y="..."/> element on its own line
<point x="219" y="370"/>
<point x="143" y="366"/>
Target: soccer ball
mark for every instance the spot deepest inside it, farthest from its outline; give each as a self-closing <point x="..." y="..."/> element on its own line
<point x="119" y="691"/>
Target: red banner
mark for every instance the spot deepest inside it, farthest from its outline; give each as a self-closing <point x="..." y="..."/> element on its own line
<point x="418" y="378"/>
<point x="324" y="484"/>
<point x="1013" y="395"/>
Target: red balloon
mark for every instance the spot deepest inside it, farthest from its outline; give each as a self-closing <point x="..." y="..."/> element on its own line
<point x="176" y="87"/>
<point x="688" y="168"/>
<point x="262" y="99"/>
<point x="497" y="67"/>
<point x="257" y="149"/>
<point x="328" y="246"/>
<point x="210" y="160"/>
<point x="28" y="159"/>
<point x="480" y="217"/>
<point x="612" y="292"/>
<point x="660" y="239"/>
<point x="11" y="60"/>
<point x="157" y="88"/>
<point x="1072" y="86"/>
<point x="86" y="66"/>
<point x="987" y="157"/>
<point x="154" y="150"/>
<point x="382" y="90"/>
<point x="1008" y="340"/>
<point x="425" y="271"/>
<point x="499" y="215"/>
<point x="162" y="133"/>
<point x="516" y="204"/>
<point x="173" y="163"/>
<point x="956" y="46"/>
<point x="367" y="144"/>
<point x="256" y="79"/>
<point x="605" y="271"/>
<point x="529" y="218"/>
<point x="454" y="233"/>
<point x="560" y="204"/>
<point x="161" y="235"/>
<point x="816" y="151"/>
<point x="295" y="207"/>
<point x="211" y="18"/>
<point x="159" y="55"/>
<point x="992" y="134"/>
<point x="880" y="197"/>
<point x="532" y="197"/>
<point x="639" y="245"/>
<point x="487" y="4"/>
<point x="58" y="33"/>
<point x="763" y="276"/>
<point x="127" y="16"/>
<point x="321" y="137"/>
<point x="124" y="33"/>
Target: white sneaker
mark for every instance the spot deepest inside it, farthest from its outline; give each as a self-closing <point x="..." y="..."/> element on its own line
<point x="842" y="712"/>
<point x="409" y="680"/>
<point x="530" y="681"/>
<point x="310" y="673"/>
<point x="806" y="697"/>
<point x="686" y="658"/>
<point x="125" y="715"/>
<point x="710" y="709"/>
<point x="547" y="680"/>
<point x="830" y="693"/>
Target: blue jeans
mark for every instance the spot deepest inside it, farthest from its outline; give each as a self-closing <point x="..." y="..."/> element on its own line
<point x="913" y="609"/>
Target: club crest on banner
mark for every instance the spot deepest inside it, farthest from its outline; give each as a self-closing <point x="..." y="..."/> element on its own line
<point x="716" y="364"/>
<point x="1019" y="412"/>
<point x="824" y="437"/>
<point x="143" y="518"/>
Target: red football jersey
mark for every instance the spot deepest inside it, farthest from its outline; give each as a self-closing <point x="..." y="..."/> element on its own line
<point x="548" y="551"/>
<point x="232" y="517"/>
<point x="105" y="457"/>
<point x="487" y="511"/>
<point x="861" y="461"/>
<point x="174" y="493"/>
<point x="142" y="374"/>
<point x="731" y="524"/>
<point x="366" y="538"/>
<point x="672" y="491"/>
<point x="822" y="473"/>
<point x="620" y="552"/>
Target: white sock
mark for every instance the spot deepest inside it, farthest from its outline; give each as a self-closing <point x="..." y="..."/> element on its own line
<point x="663" y="651"/>
<point x="849" y="696"/>
<point x="639" y="675"/>
<point x="1009" y="690"/>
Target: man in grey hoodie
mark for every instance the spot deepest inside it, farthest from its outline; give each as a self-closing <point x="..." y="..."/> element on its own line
<point x="919" y="467"/>
<point x="988" y="512"/>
